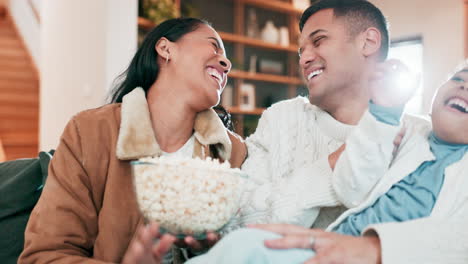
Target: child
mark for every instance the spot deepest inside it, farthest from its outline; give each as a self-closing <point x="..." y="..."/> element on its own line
<point x="424" y="178"/>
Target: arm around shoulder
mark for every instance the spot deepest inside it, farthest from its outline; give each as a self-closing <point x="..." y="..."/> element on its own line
<point x="366" y="158"/>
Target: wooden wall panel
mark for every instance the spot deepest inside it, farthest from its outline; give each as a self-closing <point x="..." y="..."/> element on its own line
<point x="19" y="95"/>
<point x="2" y="152"/>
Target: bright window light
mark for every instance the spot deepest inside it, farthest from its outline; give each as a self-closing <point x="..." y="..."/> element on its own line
<point x="410" y="52"/>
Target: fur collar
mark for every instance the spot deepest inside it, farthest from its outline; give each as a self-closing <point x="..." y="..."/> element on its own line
<point x="136" y="136"/>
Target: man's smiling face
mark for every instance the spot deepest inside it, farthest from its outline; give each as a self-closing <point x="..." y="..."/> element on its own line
<point x="330" y="58"/>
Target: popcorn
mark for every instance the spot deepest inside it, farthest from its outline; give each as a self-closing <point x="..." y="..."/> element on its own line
<point x="187" y="196"/>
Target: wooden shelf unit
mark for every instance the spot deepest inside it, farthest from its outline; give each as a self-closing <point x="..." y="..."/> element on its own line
<point x="265" y="77"/>
<point x="145" y="23"/>
<point x="234" y="38"/>
<point x="274" y="5"/>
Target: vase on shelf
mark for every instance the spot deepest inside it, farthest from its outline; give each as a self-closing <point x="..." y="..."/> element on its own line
<point x="247" y="97"/>
<point x="270" y="33"/>
<point x="284" y="36"/>
<point x="253" y="30"/>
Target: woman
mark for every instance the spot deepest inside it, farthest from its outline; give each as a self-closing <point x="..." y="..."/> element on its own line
<point x="88" y="210"/>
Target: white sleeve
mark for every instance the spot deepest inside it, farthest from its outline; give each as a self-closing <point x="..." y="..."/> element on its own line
<point x="257" y="164"/>
<point x="258" y="168"/>
<point x="366" y="158"/>
<point x="287" y="200"/>
<point x="424" y="240"/>
<point x="295" y="199"/>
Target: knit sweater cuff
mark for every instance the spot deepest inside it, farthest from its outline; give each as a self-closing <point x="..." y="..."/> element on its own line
<point x="422" y="241"/>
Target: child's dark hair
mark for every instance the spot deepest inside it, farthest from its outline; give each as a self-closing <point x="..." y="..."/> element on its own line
<point x="225" y="117"/>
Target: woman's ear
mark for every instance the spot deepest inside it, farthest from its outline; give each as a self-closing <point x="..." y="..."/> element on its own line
<point x="163" y="47"/>
<point x="372" y="41"/>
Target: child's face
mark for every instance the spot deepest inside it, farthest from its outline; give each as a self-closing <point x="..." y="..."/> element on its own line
<point x="450" y="109"/>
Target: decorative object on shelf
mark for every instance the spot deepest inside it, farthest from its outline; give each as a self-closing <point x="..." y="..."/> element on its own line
<point x="271" y="66"/>
<point x="270" y="33"/>
<point x="253" y="64"/>
<point x="189" y="10"/>
<point x="284" y="36"/>
<point x="301" y="4"/>
<point x="247" y="97"/>
<point x="253" y="30"/>
<point x="227" y="96"/>
<point x="159" y="10"/>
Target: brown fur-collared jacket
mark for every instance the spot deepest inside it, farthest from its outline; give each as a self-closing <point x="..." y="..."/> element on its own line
<point x="88" y="210"/>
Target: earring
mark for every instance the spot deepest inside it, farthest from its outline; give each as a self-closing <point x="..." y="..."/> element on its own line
<point x="167" y="58"/>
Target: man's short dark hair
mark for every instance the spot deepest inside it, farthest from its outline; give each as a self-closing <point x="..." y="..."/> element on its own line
<point x="359" y="15"/>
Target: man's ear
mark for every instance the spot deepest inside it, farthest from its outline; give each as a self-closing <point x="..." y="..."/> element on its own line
<point x="163" y="47"/>
<point x="371" y="40"/>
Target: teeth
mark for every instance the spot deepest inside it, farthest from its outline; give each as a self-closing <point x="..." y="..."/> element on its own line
<point x="215" y="74"/>
<point x="461" y="104"/>
<point x="314" y="73"/>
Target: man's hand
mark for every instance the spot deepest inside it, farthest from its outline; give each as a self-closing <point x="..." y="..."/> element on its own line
<point x="392" y="84"/>
<point x="330" y="248"/>
<point x="332" y="158"/>
<point x="143" y="249"/>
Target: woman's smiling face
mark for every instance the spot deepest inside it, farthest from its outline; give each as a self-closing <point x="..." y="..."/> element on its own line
<point x="200" y="60"/>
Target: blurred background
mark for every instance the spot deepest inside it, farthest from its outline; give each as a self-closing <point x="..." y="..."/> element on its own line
<point x="58" y="57"/>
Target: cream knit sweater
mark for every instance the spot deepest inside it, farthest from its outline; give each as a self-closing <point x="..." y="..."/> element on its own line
<point x="288" y="164"/>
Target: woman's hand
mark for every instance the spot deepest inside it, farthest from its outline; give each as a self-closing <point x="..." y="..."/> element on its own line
<point x="143" y="249"/>
<point x="329" y="247"/>
<point x="197" y="247"/>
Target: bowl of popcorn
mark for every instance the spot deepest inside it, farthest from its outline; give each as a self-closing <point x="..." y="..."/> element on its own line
<point x="187" y="196"/>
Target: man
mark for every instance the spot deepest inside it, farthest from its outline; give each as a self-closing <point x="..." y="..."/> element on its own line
<point x="292" y="153"/>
